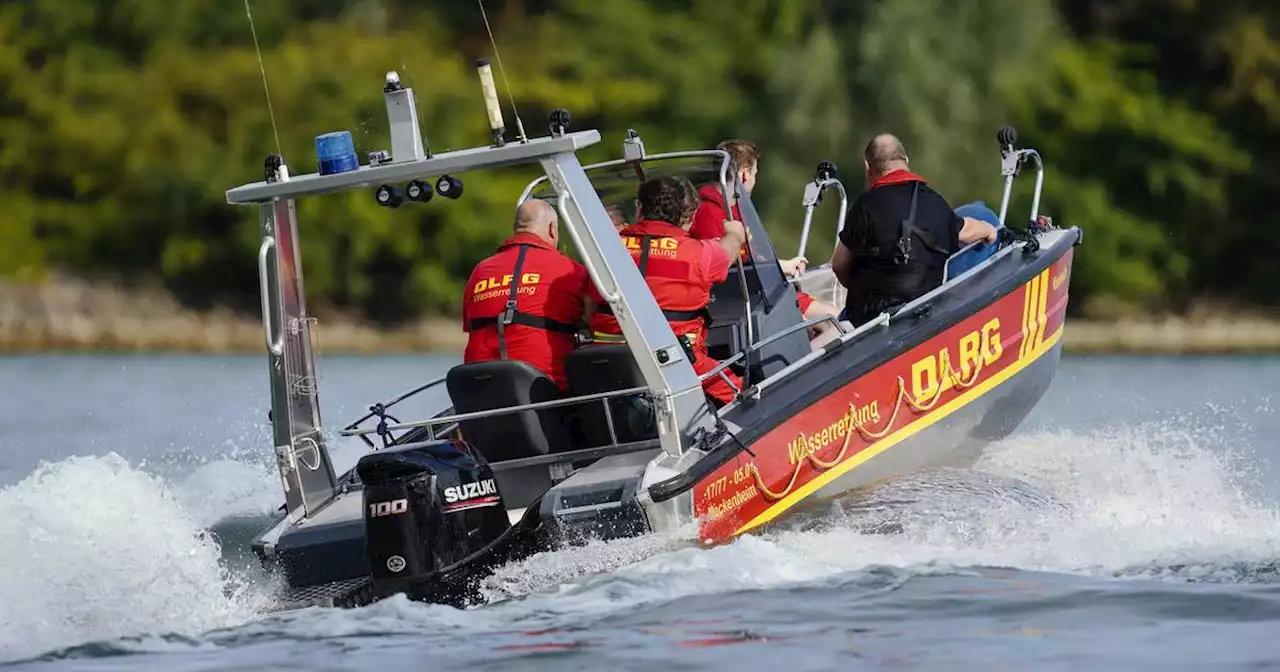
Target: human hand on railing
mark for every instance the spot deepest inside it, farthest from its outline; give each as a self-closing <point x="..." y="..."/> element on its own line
<point x="975" y="230"/>
<point x="735" y="229"/>
<point x="793" y="267"/>
<point x="990" y="234"/>
<point x="735" y="234"/>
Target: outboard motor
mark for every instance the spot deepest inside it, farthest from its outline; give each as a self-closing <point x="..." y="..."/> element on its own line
<point x="427" y="507"/>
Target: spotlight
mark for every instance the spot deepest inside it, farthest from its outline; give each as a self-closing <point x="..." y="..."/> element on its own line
<point x="388" y="197"/>
<point x="418" y="191"/>
<point x="449" y="187"/>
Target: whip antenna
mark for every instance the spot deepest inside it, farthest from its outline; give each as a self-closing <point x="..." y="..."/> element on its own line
<point x="503" y="72"/>
<point x="262" y="66"/>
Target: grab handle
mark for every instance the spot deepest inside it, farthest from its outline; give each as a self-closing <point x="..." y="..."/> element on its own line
<point x="1011" y="161"/>
<point x="812" y="194"/>
<point x="275" y="345"/>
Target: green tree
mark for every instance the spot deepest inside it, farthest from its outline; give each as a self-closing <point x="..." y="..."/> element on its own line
<point x="125" y="121"/>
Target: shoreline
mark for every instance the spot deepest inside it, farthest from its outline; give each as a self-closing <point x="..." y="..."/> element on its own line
<point x="442" y="336"/>
<point x="77" y="316"/>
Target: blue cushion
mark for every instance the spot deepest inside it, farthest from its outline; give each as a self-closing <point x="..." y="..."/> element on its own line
<point x="979" y="254"/>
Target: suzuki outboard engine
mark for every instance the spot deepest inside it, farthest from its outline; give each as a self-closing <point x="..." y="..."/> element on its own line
<point x="427" y="507"/>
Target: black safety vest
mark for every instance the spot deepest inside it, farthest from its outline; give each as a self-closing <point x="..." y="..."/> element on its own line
<point x="895" y="259"/>
<point x="511" y="316"/>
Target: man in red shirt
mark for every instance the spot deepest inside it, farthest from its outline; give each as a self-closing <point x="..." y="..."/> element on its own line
<point x="541" y="293"/>
<point x="679" y="270"/>
<point x="709" y="220"/>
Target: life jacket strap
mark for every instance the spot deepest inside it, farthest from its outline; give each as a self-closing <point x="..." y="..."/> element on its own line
<point x="900" y="252"/>
<point x="671" y="315"/>
<point x="525" y="320"/>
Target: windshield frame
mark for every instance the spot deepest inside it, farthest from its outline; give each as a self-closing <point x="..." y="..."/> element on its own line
<point x="761" y="252"/>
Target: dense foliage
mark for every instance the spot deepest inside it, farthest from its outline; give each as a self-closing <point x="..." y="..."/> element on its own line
<point x="123" y="122"/>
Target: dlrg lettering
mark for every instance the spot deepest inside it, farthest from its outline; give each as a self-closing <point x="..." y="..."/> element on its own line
<point x="979" y="346"/>
<point x="633" y="243"/>
<point x="658" y="247"/>
<point x="487" y="284"/>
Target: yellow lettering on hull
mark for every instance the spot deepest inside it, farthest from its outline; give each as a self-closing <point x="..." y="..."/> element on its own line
<point x="742" y="479"/>
<point x="856" y="416"/>
<point x="734" y="501"/>
<point x="978" y="348"/>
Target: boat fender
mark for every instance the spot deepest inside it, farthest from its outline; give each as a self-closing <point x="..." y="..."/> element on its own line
<point x="427" y="507"/>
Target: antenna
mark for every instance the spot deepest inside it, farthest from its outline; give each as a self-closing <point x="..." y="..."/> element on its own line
<point x="262" y="66"/>
<point x="505" y="81"/>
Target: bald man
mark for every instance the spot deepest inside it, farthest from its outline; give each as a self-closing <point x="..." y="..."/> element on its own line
<point x="541" y="293"/>
<point x="899" y="235"/>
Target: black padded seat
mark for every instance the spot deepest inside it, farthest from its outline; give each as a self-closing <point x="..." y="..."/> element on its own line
<point x="727" y="333"/>
<point x="595" y="369"/>
<point x="486" y="386"/>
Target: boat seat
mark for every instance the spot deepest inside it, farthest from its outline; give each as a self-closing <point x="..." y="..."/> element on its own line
<point x="486" y="386"/>
<point x="594" y="369"/>
<point x="727" y="334"/>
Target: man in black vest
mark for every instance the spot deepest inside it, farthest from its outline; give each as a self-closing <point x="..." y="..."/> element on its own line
<point x="898" y="236"/>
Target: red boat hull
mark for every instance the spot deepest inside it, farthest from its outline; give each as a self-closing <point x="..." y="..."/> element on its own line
<point x="936" y="404"/>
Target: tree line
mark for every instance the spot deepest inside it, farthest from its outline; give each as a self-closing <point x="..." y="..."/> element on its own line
<point x="123" y="123"/>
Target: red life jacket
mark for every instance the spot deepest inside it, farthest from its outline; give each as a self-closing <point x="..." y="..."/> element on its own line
<point x="524" y="303"/>
<point x="708" y="221"/>
<point x="672" y="265"/>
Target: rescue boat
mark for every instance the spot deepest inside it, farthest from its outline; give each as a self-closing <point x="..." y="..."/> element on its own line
<point x="437" y="503"/>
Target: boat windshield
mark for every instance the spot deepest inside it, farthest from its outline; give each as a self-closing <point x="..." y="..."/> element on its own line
<point x="616" y="183"/>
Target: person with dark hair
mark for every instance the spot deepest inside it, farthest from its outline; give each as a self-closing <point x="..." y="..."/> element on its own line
<point x="709" y="220"/>
<point x="617" y="217"/>
<point x="899" y="235"/>
<point x="679" y="270"/>
<point x="527" y="301"/>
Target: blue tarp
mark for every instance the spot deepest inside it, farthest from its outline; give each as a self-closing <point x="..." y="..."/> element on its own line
<point x="975" y="256"/>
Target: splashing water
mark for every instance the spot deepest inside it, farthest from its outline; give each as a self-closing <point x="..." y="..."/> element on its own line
<point x="1137" y="502"/>
<point x="1141" y="500"/>
<point x="226" y="488"/>
<point x="1147" y="502"/>
<point x="94" y="549"/>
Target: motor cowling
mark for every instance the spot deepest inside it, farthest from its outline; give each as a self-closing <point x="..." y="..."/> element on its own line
<point x="427" y="507"/>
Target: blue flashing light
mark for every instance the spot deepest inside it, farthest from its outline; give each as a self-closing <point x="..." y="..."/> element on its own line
<point x="336" y="152"/>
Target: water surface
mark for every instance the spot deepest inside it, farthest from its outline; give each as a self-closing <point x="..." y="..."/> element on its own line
<point x="1133" y="522"/>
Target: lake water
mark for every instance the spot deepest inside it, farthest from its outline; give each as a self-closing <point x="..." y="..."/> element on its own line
<point x="1133" y="522"/>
